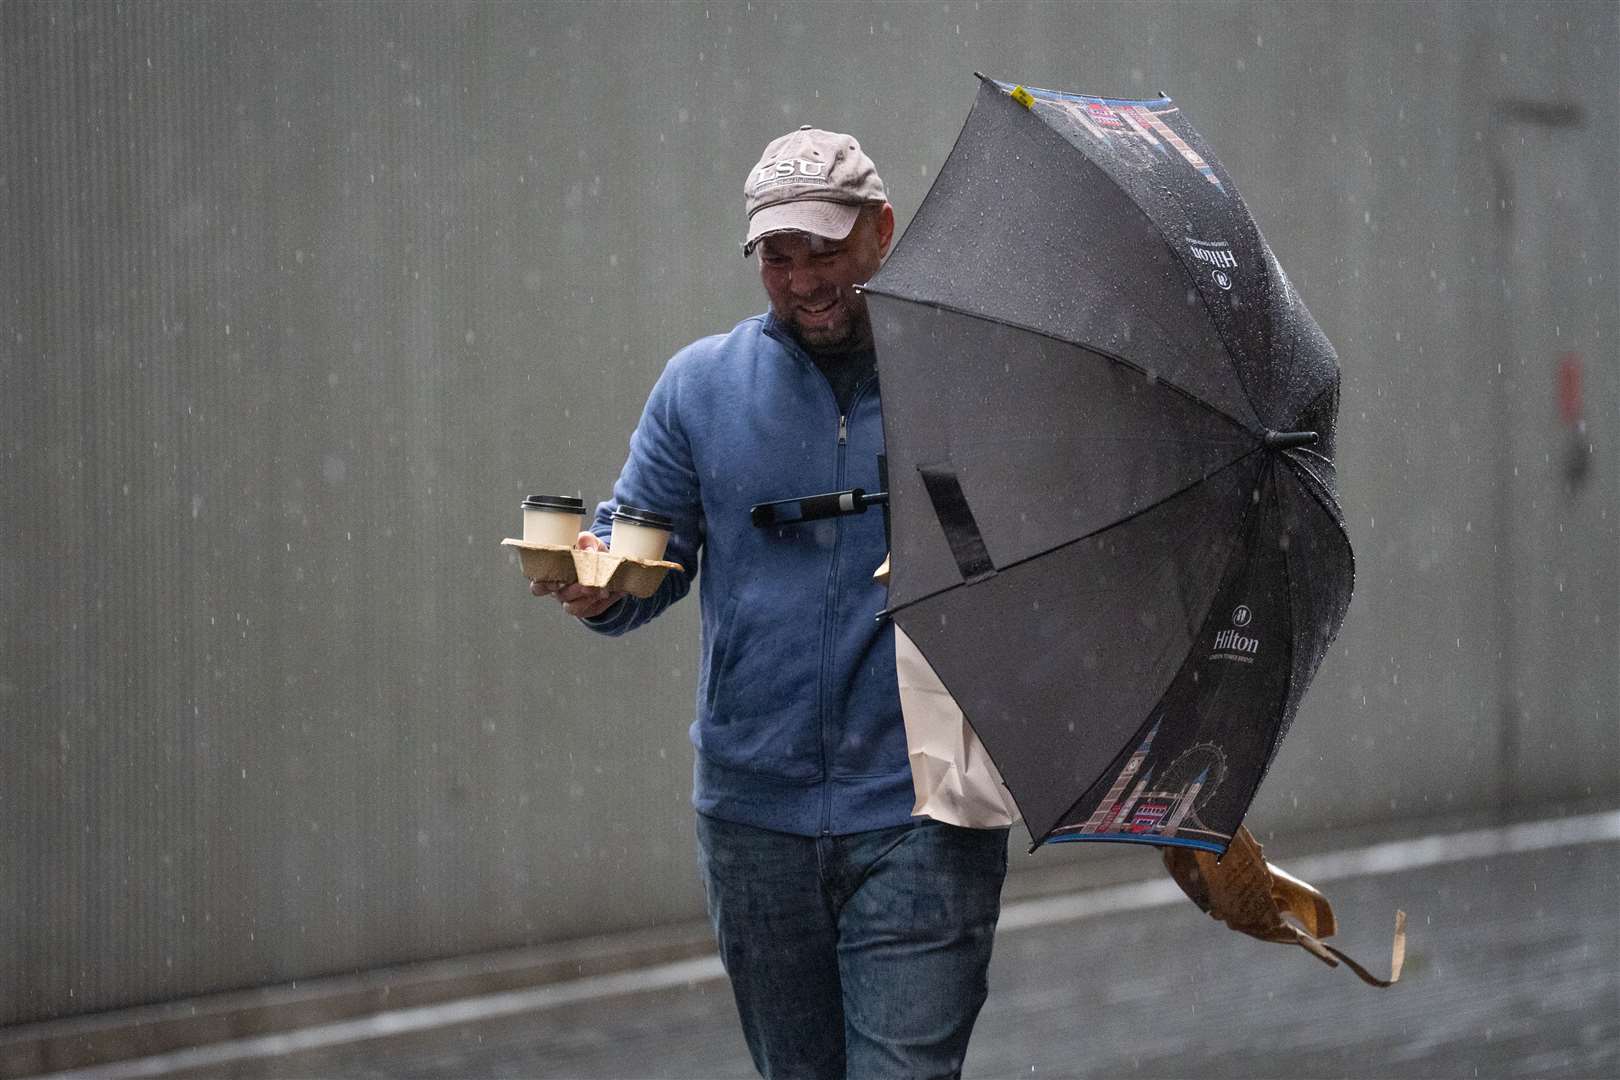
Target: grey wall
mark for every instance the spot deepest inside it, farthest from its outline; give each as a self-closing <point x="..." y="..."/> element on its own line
<point x="297" y="301"/>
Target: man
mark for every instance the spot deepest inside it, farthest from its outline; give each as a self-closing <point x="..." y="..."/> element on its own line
<point x="856" y="936"/>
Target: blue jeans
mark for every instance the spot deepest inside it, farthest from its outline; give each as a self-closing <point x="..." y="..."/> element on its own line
<point x="861" y="955"/>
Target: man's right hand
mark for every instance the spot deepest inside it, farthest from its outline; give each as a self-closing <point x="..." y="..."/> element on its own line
<point x="580" y="601"/>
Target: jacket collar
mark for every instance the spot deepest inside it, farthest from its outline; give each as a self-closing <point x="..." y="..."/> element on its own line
<point x="774" y="329"/>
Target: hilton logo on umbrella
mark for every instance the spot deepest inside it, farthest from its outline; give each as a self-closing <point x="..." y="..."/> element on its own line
<point x="1233" y="644"/>
<point x="1218" y="253"/>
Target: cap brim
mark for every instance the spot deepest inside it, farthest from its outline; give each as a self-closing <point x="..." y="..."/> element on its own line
<point x="833" y="220"/>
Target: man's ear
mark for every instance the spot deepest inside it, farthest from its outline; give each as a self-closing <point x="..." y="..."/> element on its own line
<point x="885" y="227"/>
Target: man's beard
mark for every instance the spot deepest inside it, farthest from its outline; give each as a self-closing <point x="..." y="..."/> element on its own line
<point x="851" y="334"/>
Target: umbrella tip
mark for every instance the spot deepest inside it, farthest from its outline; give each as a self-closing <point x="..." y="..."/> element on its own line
<point x="1287" y="440"/>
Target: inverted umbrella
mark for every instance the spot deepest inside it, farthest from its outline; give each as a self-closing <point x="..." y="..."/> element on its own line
<point x="1109" y="427"/>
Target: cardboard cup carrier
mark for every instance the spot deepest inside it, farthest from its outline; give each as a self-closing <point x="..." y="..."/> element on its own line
<point x="634" y="562"/>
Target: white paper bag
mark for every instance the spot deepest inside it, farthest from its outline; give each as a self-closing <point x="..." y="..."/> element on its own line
<point x="955" y="780"/>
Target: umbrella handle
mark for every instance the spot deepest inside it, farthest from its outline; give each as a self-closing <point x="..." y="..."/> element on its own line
<point x="815" y="507"/>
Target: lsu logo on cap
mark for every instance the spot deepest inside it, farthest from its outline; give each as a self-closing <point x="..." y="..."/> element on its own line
<point x="789" y="170"/>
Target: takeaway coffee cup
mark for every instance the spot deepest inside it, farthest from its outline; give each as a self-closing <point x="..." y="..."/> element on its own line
<point x="640" y="534"/>
<point x="552" y="519"/>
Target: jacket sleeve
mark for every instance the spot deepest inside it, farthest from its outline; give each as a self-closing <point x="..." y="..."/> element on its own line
<point x="658" y="475"/>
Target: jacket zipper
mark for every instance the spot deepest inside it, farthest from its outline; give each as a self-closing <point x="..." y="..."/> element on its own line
<point x="829" y="616"/>
<point x="823" y="689"/>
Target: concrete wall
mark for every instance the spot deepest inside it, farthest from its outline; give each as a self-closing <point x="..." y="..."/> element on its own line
<point x="297" y="302"/>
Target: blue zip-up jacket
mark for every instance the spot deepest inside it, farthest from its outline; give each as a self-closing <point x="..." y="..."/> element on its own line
<point x="798" y="723"/>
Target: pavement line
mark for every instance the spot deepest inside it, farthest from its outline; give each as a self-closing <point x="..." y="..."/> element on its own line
<point x="405" y="1021"/>
<point x="1377" y="859"/>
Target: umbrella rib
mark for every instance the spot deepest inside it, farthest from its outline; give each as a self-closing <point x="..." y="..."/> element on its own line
<point x="1316" y="490"/>
<point x="1305" y="451"/>
<point x="1285" y="720"/>
<point x="891" y="611"/>
<point x="1111" y="357"/>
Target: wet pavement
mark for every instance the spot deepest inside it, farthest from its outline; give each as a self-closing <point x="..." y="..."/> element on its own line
<point x="1513" y="969"/>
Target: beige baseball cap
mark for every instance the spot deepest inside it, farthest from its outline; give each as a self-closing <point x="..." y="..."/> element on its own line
<point x="810" y="181"/>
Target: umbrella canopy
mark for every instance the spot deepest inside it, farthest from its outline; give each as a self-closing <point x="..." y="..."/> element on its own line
<point x="1112" y="539"/>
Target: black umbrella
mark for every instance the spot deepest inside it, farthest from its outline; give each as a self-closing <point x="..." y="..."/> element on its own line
<point x="1109" y="427"/>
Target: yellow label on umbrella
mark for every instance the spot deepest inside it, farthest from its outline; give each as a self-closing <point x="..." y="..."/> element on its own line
<point x="1023" y="97"/>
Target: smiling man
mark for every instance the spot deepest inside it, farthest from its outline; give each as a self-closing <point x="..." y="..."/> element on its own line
<point x="806" y="277"/>
<point x="819" y="215"/>
<point x="856" y="936"/>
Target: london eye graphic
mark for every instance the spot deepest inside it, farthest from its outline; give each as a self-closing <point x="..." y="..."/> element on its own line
<point x="1197" y="771"/>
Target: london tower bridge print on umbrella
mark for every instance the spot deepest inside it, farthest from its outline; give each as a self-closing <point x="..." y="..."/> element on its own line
<point x="1108" y="418"/>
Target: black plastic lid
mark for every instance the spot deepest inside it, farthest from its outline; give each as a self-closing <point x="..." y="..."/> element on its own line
<point x="649" y="518"/>
<point x="565" y="503"/>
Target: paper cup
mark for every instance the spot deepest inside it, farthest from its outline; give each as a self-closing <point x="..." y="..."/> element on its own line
<point x="552" y="519"/>
<point x="639" y="534"/>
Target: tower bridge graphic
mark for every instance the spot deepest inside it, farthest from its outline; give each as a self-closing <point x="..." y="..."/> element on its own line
<point x="1147" y="800"/>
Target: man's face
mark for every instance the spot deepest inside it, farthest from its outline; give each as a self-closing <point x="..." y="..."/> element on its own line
<point x="810" y="280"/>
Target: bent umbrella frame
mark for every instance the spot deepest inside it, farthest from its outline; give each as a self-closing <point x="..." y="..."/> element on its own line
<point x="1109" y="423"/>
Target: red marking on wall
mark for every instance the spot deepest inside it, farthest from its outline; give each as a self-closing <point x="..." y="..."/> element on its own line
<point x="1570" y="405"/>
